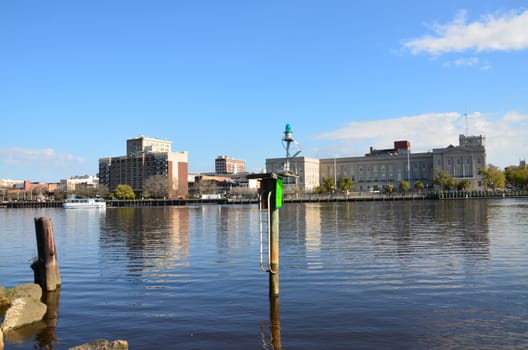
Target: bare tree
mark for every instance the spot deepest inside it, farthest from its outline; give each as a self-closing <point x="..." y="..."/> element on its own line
<point x="206" y="186"/>
<point x="156" y="186"/>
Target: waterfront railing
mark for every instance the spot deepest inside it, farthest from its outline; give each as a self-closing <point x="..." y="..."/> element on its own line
<point x="288" y="198"/>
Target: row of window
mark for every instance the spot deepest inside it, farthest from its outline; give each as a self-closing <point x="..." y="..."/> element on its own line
<point x="457" y="161"/>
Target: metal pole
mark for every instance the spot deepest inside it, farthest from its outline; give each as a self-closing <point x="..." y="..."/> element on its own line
<point x="335" y="173"/>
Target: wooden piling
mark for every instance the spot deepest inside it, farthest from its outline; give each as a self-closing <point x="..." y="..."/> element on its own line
<point x="46" y="266"/>
<point x="274" y="252"/>
<point x="269" y="184"/>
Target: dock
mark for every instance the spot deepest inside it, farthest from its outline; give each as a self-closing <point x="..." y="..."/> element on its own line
<point x="308" y="198"/>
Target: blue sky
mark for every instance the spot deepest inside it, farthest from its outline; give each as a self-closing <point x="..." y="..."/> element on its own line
<point x="78" y="78"/>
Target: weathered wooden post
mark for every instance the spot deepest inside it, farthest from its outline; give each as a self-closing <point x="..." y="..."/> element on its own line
<point x="270" y="196"/>
<point x="271" y="185"/>
<point x="46" y="267"/>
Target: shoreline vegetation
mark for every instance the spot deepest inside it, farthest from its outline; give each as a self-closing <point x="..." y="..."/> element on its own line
<point x="288" y="198"/>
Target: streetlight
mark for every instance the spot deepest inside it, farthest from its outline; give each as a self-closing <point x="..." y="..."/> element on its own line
<point x="335" y="173"/>
<point x="286" y="142"/>
<point x="409" y="166"/>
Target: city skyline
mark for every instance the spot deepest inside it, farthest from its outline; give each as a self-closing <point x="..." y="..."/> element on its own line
<point x="224" y="79"/>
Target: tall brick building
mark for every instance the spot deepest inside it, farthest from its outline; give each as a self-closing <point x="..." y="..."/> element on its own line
<point x="146" y="157"/>
<point x="227" y="165"/>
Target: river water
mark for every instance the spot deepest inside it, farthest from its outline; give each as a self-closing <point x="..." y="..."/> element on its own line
<point x="447" y="274"/>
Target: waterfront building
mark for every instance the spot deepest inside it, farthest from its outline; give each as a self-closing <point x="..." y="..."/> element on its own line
<point x="379" y="168"/>
<point x="27" y="190"/>
<point x="74" y="182"/>
<point x="146" y="157"/>
<point x="392" y="166"/>
<point x="306" y="169"/>
<point x="228" y="165"/>
<point x="8" y="183"/>
<point x="141" y="144"/>
<point x="463" y="162"/>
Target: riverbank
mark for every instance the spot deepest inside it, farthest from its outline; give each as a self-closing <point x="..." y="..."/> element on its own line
<point x="308" y="198"/>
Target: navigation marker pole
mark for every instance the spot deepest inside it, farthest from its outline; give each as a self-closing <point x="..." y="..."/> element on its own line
<point x="270" y="199"/>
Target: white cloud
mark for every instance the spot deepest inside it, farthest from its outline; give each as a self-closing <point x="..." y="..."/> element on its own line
<point x="467" y="62"/>
<point x="417" y="128"/>
<point x="507" y="139"/>
<point x="463" y="62"/>
<point x="506" y="135"/>
<point x="515" y="117"/>
<point x="44" y="157"/>
<point x="491" y="33"/>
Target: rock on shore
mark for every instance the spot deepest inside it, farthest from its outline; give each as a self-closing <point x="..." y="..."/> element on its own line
<point x="23" y="306"/>
<point x="28" y="290"/>
<point x="103" y="345"/>
<point x="4" y="301"/>
<point x="23" y="311"/>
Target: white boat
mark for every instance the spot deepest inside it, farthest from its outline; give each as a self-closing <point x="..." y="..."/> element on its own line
<point x="81" y="203"/>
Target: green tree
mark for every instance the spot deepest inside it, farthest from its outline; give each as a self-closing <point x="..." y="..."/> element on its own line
<point x="517" y="176"/>
<point x="124" y="192"/>
<point x="329" y="185"/>
<point x="493" y="177"/>
<point x="389" y="188"/>
<point x="445" y="181"/>
<point x="318" y="190"/>
<point x="345" y="184"/>
<point x="463" y="185"/>
<point x="405" y="186"/>
<point x="419" y="185"/>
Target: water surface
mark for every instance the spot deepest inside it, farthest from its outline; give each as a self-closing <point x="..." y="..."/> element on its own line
<point x="373" y="275"/>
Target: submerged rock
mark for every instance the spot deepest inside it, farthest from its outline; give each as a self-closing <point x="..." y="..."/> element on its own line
<point x="23" y="311"/>
<point x="102" y="344"/>
<point x="4" y="301"/>
<point x="28" y="290"/>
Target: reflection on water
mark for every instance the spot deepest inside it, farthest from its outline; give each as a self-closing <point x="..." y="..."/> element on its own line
<point x="271" y="335"/>
<point x="153" y="239"/>
<point x="451" y="229"/>
<point x="47" y="337"/>
<point x="411" y="275"/>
